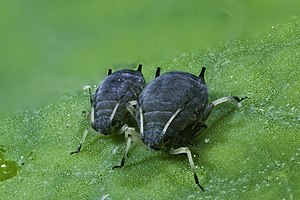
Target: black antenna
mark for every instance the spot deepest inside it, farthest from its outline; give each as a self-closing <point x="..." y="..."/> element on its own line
<point x="157" y="73"/>
<point x="139" y="68"/>
<point x="201" y="75"/>
<point x="109" y="72"/>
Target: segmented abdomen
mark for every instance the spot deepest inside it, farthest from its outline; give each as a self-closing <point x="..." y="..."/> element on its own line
<point x="168" y="93"/>
<point x="118" y="88"/>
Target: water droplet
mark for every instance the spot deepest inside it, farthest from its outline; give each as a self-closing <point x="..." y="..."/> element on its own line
<point x="8" y="168"/>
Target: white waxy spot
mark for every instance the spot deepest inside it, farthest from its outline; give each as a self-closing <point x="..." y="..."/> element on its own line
<point x="206" y="140"/>
<point x="3" y="165"/>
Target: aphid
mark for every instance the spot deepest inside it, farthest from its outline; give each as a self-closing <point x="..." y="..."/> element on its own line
<point x="130" y="133"/>
<point x="109" y="113"/>
<point x="172" y="110"/>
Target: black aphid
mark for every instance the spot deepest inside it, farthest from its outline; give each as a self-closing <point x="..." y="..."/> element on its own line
<point x="109" y="113"/>
<point x="172" y="110"/>
<point x="131" y="134"/>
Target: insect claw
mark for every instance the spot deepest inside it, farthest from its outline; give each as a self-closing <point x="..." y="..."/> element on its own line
<point x="198" y="183"/>
<point x="116" y="166"/>
<point x="119" y="166"/>
<point x="244" y="98"/>
<point x="239" y="99"/>
<point x="77" y="150"/>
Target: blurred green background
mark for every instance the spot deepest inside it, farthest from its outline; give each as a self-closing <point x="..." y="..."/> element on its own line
<point x="52" y="48"/>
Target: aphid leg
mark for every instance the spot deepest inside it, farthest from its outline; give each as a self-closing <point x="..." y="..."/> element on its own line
<point x="199" y="126"/>
<point x="197" y="129"/>
<point x="189" y="155"/>
<point x="87" y="129"/>
<point x="129" y="131"/>
<point x="128" y="143"/>
<point x="92" y="116"/>
<point x="123" y="130"/>
<point x="114" y="111"/>
<point x="130" y="135"/>
<point x="81" y="142"/>
<point x="130" y="107"/>
<point x="170" y="121"/>
<point x="90" y="93"/>
<point x="230" y="98"/>
<point x="141" y="122"/>
<point x="219" y="101"/>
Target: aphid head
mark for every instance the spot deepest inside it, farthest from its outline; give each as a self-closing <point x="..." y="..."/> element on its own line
<point x="156" y="140"/>
<point x="153" y="139"/>
<point x="103" y="126"/>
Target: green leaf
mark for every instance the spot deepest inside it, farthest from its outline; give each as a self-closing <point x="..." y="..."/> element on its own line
<point x="251" y="152"/>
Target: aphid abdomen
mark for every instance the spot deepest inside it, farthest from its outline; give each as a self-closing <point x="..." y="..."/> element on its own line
<point x="155" y="111"/>
<point x="157" y="116"/>
<point x="156" y="120"/>
<point x="104" y="108"/>
<point x="104" y="104"/>
<point x="192" y="112"/>
<point x="173" y="91"/>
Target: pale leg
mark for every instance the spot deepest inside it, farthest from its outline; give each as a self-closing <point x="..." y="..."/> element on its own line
<point x="130" y="135"/>
<point x="130" y="108"/>
<point x="189" y="155"/>
<point x="81" y="142"/>
<point x="219" y="101"/>
<point x="87" y="129"/>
